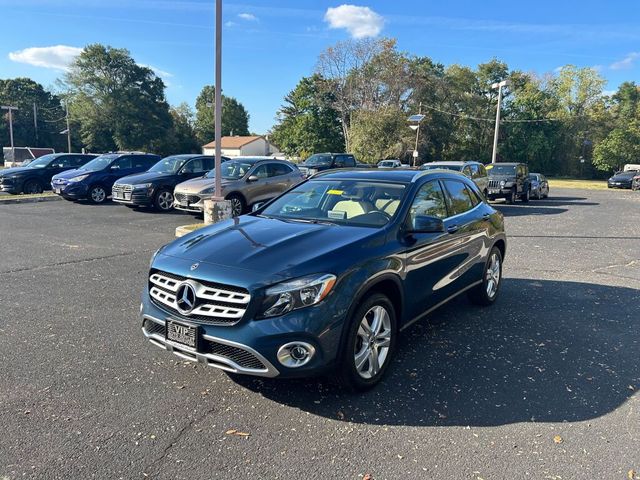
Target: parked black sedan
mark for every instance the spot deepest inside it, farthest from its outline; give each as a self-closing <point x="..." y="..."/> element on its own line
<point x="622" y="179"/>
<point x="154" y="188"/>
<point x="36" y="175"/>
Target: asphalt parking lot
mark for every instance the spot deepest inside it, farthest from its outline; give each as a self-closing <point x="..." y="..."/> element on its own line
<point x="542" y="385"/>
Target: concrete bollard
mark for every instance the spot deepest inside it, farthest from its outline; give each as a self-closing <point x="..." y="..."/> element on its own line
<point x="216" y="210"/>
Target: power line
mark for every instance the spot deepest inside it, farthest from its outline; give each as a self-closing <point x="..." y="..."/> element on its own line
<point x="492" y="120"/>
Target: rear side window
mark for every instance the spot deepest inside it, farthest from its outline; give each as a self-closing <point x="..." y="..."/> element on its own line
<point x="143" y="161"/>
<point x="197" y="165"/>
<point x="121" y="163"/>
<point x="345" y="161"/>
<point x="64" y="162"/>
<point x="429" y="201"/>
<point x="459" y="197"/>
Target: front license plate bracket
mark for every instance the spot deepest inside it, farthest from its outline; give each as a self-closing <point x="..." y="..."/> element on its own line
<point x="182" y="334"/>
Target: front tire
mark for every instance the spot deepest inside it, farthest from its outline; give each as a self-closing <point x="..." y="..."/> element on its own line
<point x="486" y="293"/>
<point x="32" y="187"/>
<point x="238" y="205"/>
<point x="164" y="200"/>
<point x="511" y="198"/>
<point x="97" y="194"/>
<point x="370" y="344"/>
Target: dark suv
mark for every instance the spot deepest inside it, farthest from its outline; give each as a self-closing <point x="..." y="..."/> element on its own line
<point x="36" y="175"/>
<point x="95" y="179"/>
<point x="325" y="161"/>
<point x="509" y="181"/>
<point x="155" y="187"/>
<point x="325" y="276"/>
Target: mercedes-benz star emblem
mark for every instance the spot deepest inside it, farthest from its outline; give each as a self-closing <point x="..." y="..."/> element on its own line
<point x="194" y="266"/>
<point x="185" y="298"/>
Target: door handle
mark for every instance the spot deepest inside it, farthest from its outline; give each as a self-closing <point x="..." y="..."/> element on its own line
<point x="452" y="228"/>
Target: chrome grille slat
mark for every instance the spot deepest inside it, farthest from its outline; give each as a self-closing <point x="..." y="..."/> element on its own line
<point x="216" y="303"/>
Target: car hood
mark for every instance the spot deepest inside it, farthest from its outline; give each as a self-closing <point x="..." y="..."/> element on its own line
<point x="198" y="184"/>
<point x="270" y="248"/>
<point x="72" y="173"/>
<point x="145" y="177"/>
<point x="623" y="176"/>
<point x="7" y="172"/>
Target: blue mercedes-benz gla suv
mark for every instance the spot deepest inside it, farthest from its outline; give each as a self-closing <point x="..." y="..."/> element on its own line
<point x="324" y="277"/>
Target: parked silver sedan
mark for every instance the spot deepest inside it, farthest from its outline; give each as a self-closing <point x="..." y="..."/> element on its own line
<point x="245" y="182"/>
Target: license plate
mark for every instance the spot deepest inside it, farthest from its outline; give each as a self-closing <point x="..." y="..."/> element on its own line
<point x="56" y="191"/>
<point x="127" y="196"/>
<point x="494" y="191"/>
<point x="182" y="334"/>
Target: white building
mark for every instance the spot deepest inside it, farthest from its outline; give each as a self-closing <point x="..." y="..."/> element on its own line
<point x="257" y="146"/>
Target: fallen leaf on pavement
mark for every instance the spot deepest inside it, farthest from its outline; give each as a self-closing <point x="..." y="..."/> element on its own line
<point x="368" y="476"/>
<point x="631" y="474"/>
<point x="340" y="415"/>
<point x="557" y="439"/>
<point x="236" y="432"/>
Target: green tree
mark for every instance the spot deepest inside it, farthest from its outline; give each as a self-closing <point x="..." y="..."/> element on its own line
<point x="621" y="146"/>
<point x="23" y="93"/>
<point x="235" y="118"/>
<point x="117" y="103"/>
<point x="181" y="138"/>
<point x="380" y="134"/>
<point x="307" y="123"/>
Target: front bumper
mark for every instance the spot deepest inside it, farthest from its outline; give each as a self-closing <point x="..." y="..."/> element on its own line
<point x="136" y="198"/>
<point x="188" y="202"/>
<point x="9" y="188"/>
<point x="250" y="347"/>
<point x="611" y="184"/>
<point x="499" y="192"/>
<point x="75" y="190"/>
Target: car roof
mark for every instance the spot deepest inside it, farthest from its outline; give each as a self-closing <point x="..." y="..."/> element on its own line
<point x="398" y="175"/>
<point x="453" y="162"/>
<point x="509" y="164"/>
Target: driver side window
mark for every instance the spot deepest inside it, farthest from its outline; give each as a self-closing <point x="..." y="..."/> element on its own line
<point x="261" y="172"/>
<point x="429" y="201"/>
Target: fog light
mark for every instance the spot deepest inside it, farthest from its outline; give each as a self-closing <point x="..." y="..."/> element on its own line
<point x="295" y="354"/>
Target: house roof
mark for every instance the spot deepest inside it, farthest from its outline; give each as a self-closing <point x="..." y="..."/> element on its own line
<point x="234" y="142"/>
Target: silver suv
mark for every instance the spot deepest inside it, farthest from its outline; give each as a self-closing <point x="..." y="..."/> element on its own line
<point x="476" y="171"/>
<point x="245" y="182"/>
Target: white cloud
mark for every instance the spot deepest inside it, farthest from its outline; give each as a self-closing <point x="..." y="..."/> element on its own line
<point x="250" y="17"/>
<point x="163" y="74"/>
<point x="608" y="93"/>
<point x="360" y="22"/>
<point x="626" y="62"/>
<point x="58" y="57"/>
<point x="230" y="24"/>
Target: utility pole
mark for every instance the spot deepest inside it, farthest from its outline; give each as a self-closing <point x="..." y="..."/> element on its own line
<point x="35" y="122"/>
<point x="218" y="101"/>
<point x="66" y="107"/>
<point x="10" y="108"/>
<point x="499" y="86"/>
<point x="414" y="124"/>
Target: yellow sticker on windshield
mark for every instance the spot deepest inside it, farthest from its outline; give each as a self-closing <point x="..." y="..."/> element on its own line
<point x="335" y="192"/>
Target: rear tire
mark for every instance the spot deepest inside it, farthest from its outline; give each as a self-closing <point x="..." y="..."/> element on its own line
<point x="369" y="345"/>
<point x="32" y="187"/>
<point x="97" y="194"/>
<point x="486" y="293"/>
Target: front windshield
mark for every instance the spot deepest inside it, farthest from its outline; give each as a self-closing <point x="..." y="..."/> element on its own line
<point x="317" y="160"/>
<point x="232" y="170"/>
<point x="456" y="168"/>
<point x="502" y="170"/>
<point x="98" y="163"/>
<point x="341" y="202"/>
<point x="42" y="162"/>
<point x="387" y="163"/>
<point x="170" y="164"/>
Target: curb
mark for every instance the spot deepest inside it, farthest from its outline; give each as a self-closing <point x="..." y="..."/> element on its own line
<point x="48" y="198"/>
<point x="182" y="230"/>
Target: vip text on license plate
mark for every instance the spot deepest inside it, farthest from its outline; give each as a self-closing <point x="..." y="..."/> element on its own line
<point x="183" y="334"/>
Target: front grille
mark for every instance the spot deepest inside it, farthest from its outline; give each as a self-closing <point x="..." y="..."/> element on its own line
<point x="121" y="188"/>
<point x="238" y="355"/>
<point x="494" y="183"/>
<point x="215" y="303"/>
<point x="154" y="328"/>
<point x="186" y="199"/>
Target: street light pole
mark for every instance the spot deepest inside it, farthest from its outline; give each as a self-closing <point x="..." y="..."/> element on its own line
<point x="499" y="86"/>
<point x="10" y="108"/>
<point x="66" y="106"/>
<point x="414" y="124"/>
<point x="218" y="100"/>
<point x="35" y="122"/>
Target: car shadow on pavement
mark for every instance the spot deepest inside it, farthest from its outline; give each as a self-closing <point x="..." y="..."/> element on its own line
<point x="521" y="210"/>
<point x="547" y="351"/>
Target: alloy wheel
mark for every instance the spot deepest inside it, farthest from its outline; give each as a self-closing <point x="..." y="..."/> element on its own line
<point x="493" y="275"/>
<point x="373" y="340"/>
<point x="98" y="195"/>
<point x="33" y="188"/>
<point x="165" y="200"/>
<point x="236" y="206"/>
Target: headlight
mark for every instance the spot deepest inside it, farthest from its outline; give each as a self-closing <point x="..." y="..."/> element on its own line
<point x="294" y="294"/>
<point x="79" y="178"/>
<point x="503" y="183"/>
<point x="142" y="186"/>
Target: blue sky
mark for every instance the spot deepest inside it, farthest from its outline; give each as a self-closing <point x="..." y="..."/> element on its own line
<point x="270" y="44"/>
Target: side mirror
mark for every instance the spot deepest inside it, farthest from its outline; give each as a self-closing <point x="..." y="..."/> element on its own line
<point x="114" y="167"/>
<point x="253" y="178"/>
<point x="426" y="224"/>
